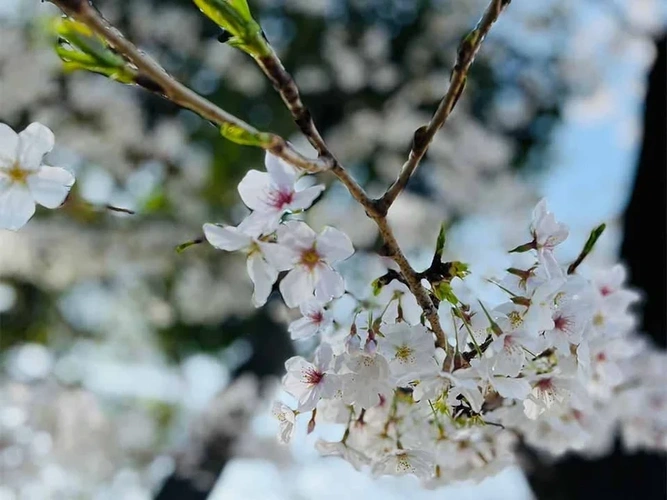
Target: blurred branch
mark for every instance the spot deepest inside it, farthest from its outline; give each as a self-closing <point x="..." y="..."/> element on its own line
<point x="153" y="77"/>
<point x="423" y="136"/>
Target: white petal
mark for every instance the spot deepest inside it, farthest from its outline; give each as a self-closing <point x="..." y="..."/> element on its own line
<point x="226" y="237"/>
<point x="281" y="173"/>
<point x="50" y="186"/>
<point x="296" y="287"/>
<point x="259" y="223"/>
<point x="330" y="285"/>
<point x="253" y="189"/>
<point x="334" y="245"/>
<point x="302" y="328"/>
<point x="515" y="388"/>
<point x="34" y="142"/>
<point x="304" y="199"/>
<point x="323" y="357"/>
<point x="279" y="256"/>
<point x="309" y="399"/>
<point x="9" y="143"/>
<point x="263" y="276"/>
<point x="16" y="205"/>
<point x="296" y="234"/>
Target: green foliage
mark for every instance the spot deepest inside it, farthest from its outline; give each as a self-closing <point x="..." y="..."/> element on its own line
<point x="241" y="136"/>
<point x="234" y="17"/>
<point x="80" y="49"/>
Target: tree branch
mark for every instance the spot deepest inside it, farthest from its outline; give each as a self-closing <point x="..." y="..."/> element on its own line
<point x="154" y="77"/>
<point x="423" y="136"/>
<point x="289" y="92"/>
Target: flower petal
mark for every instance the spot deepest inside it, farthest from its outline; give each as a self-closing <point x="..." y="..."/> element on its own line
<point x="282" y="174"/>
<point x="9" y="143"/>
<point x="334" y="245"/>
<point x="34" y="142"/>
<point x="280" y="257"/>
<point x="16" y="205"/>
<point x="263" y="276"/>
<point x="296" y="287"/>
<point x="253" y="189"/>
<point x="226" y="237"/>
<point x="50" y="186"/>
<point x="259" y="223"/>
<point x="330" y="285"/>
<point x="304" y="199"/>
<point x="296" y="234"/>
<point x="302" y="328"/>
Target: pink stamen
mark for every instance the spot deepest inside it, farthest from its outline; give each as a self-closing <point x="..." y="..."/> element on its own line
<point x="280" y="199"/>
<point x="311" y="376"/>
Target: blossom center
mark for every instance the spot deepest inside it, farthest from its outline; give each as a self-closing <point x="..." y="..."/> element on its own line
<point x="17" y="174"/>
<point x="317" y="317"/>
<point x="515" y="319"/>
<point x="403" y="463"/>
<point x="404" y="353"/>
<point x="310" y="258"/>
<point x="279" y="199"/>
<point x="312" y="377"/>
<point x="562" y="323"/>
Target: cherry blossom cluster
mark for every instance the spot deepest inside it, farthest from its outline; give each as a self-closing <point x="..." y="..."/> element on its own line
<point x="558" y="365"/>
<point x="274" y="240"/>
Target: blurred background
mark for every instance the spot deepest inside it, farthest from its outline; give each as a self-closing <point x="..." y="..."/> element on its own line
<point x="129" y="371"/>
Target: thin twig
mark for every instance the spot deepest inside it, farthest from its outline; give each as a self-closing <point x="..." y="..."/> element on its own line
<point x="156" y="79"/>
<point x="424" y="135"/>
<point x="289" y="92"/>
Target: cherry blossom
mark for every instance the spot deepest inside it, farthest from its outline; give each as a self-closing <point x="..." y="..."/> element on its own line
<point x="24" y="180"/>
<point x="341" y="449"/>
<point x="310" y="257"/>
<point x="409" y="349"/>
<point x="547" y="234"/>
<point x="286" y="417"/>
<point x="272" y="193"/>
<point x="309" y="382"/>
<point x="262" y="273"/>
<point x="400" y="462"/>
<point x="316" y="319"/>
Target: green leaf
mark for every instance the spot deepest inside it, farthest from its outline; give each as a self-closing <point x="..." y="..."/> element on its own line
<point x="526" y="247"/>
<point x="588" y="247"/>
<point x="377" y="286"/>
<point x="80" y="49"/>
<point x="180" y="248"/>
<point x="234" y="17"/>
<point x="443" y="291"/>
<point x="440" y="243"/>
<point x="242" y="136"/>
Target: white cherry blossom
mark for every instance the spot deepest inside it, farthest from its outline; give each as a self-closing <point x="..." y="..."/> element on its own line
<point x="341" y="449"/>
<point x="309" y="382"/>
<point x="409" y="349"/>
<point x="260" y="254"/>
<point x="286" y="417"/>
<point x="401" y="462"/>
<point x="310" y="257"/>
<point x="24" y="180"/>
<point x="272" y="193"/>
<point x="547" y="234"/>
<point x="316" y="319"/>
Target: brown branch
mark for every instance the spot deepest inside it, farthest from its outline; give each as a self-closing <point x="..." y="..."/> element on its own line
<point x="424" y="135"/>
<point x="289" y="92"/>
<point x="153" y="77"/>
